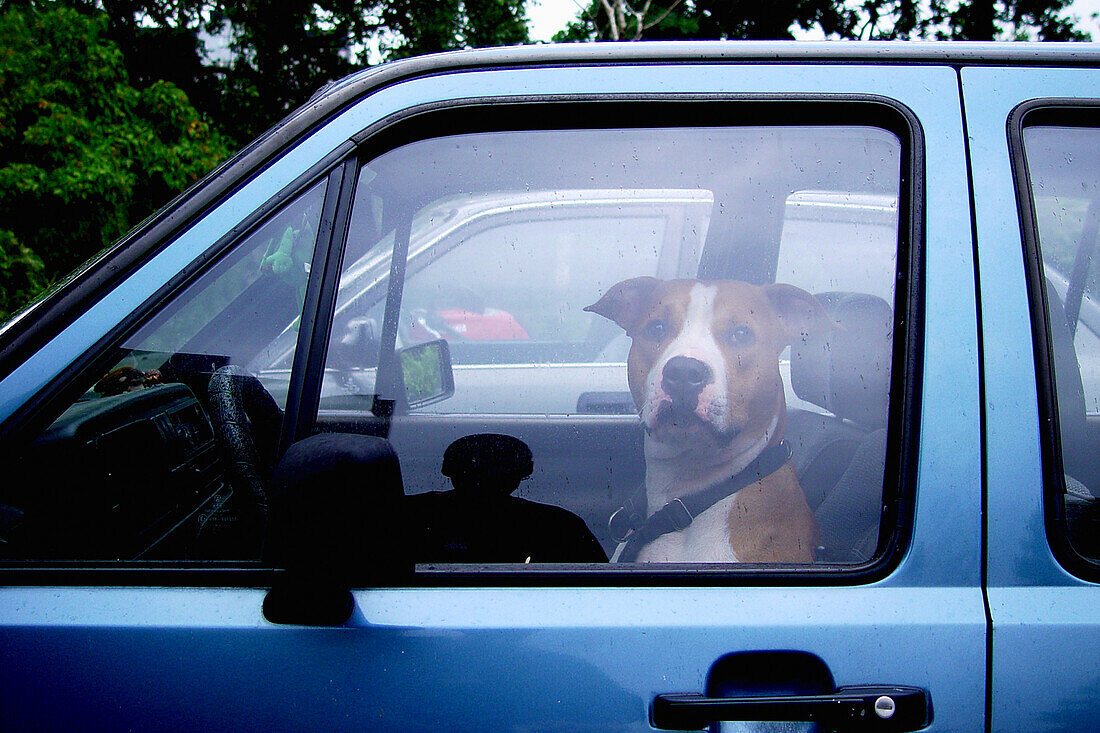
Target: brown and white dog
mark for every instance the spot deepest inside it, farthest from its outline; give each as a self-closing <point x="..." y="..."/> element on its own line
<point x="704" y="373"/>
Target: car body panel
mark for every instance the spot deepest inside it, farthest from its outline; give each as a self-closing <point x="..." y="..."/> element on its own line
<point x="1040" y="613"/>
<point x="513" y="659"/>
<point x="590" y="655"/>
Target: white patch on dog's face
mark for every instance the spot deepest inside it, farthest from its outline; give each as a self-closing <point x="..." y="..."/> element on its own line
<point x="696" y="340"/>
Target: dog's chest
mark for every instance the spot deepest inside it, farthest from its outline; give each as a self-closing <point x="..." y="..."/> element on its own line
<point x="706" y="539"/>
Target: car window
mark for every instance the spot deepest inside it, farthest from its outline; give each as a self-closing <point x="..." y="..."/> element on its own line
<point x="167" y="452"/>
<point x="861" y="230"/>
<point x="466" y="289"/>
<point x="641" y="313"/>
<point x="1064" y="179"/>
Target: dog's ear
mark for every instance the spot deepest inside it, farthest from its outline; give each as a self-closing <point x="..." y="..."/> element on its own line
<point x="626" y="302"/>
<point x="799" y="312"/>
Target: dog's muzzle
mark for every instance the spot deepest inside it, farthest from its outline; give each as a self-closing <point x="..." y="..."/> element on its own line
<point x="683" y="379"/>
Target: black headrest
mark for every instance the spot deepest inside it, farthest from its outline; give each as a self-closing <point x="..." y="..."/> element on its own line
<point x="488" y="456"/>
<point x="846" y="369"/>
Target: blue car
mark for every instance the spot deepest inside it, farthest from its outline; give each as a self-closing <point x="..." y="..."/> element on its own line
<point x="590" y="387"/>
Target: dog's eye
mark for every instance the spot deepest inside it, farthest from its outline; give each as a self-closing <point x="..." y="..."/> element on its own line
<point x="742" y="336"/>
<point x="654" y="330"/>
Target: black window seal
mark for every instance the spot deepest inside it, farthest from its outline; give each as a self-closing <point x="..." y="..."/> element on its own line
<point x="1066" y="112"/>
<point x="525" y="112"/>
<point x="305" y="382"/>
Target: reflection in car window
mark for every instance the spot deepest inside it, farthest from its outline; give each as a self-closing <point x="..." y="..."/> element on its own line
<point x="168" y="453"/>
<point x="1063" y="166"/>
<point x="859" y="229"/>
<point x="656" y="315"/>
<point x="249" y="299"/>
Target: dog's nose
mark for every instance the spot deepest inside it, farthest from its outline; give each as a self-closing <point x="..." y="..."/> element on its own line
<point x="683" y="378"/>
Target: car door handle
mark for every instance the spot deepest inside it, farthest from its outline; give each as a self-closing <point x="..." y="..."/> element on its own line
<point x="857" y="708"/>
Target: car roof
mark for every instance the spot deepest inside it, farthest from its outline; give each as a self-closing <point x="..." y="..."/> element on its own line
<point x="1026" y="53"/>
<point x="954" y="53"/>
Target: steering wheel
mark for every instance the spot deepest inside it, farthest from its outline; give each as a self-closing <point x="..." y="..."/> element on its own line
<point x="239" y="408"/>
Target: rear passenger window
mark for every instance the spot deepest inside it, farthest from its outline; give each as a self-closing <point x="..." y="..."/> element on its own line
<point x="667" y="344"/>
<point x="1063" y="185"/>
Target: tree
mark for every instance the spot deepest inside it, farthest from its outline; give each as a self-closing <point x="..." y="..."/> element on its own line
<point x="284" y="52"/>
<point x="1044" y="20"/>
<point x="20" y="274"/>
<point x="708" y="20"/>
<point x="627" y="23"/>
<point x="281" y="53"/>
<point x="969" y="20"/>
<point x="413" y="27"/>
<point x="83" y="154"/>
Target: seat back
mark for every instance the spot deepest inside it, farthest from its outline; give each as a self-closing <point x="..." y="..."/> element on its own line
<point x="840" y="457"/>
<point x="1078" y="454"/>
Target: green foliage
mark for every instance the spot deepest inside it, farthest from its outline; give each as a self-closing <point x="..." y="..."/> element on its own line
<point x="83" y="154"/>
<point x="969" y="20"/>
<point x="285" y="52"/>
<point x="20" y="275"/>
<point x="279" y="54"/>
<point x="709" y="20"/>
<point x="428" y="26"/>
<point x="1043" y="20"/>
<point x="282" y="54"/>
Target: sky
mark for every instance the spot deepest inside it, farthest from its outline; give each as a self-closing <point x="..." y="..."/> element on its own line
<point x="549" y="16"/>
<point x="1087" y="11"/>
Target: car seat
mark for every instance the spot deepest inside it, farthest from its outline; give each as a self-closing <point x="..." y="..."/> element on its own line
<point x="840" y="457"/>
<point x="1079" y="467"/>
<point x="1078" y="460"/>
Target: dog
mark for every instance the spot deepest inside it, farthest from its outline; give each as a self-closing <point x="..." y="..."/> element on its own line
<point x="703" y="371"/>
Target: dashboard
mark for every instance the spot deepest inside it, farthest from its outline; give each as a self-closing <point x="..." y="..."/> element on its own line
<point x="132" y="476"/>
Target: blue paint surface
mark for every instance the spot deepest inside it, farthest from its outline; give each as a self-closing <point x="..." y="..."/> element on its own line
<point x="587" y="658"/>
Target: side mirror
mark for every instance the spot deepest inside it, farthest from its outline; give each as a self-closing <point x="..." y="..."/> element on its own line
<point x="426" y="373"/>
<point x="337" y="522"/>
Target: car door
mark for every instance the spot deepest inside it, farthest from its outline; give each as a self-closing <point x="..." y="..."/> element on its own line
<point x="1040" y="372"/>
<point x="803" y="168"/>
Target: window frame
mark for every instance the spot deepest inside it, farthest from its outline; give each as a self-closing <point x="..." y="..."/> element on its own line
<point x="524" y="113"/>
<point x="1065" y="112"/>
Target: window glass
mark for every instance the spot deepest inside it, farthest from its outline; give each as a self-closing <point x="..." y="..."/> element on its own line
<point x="168" y="452"/>
<point x="651" y="316"/>
<point x="861" y="230"/>
<point x="1063" y="165"/>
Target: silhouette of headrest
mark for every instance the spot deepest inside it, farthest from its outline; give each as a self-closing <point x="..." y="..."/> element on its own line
<point x="335" y="497"/>
<point x="487" y="458"/>
<point x="846" y="370"/>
